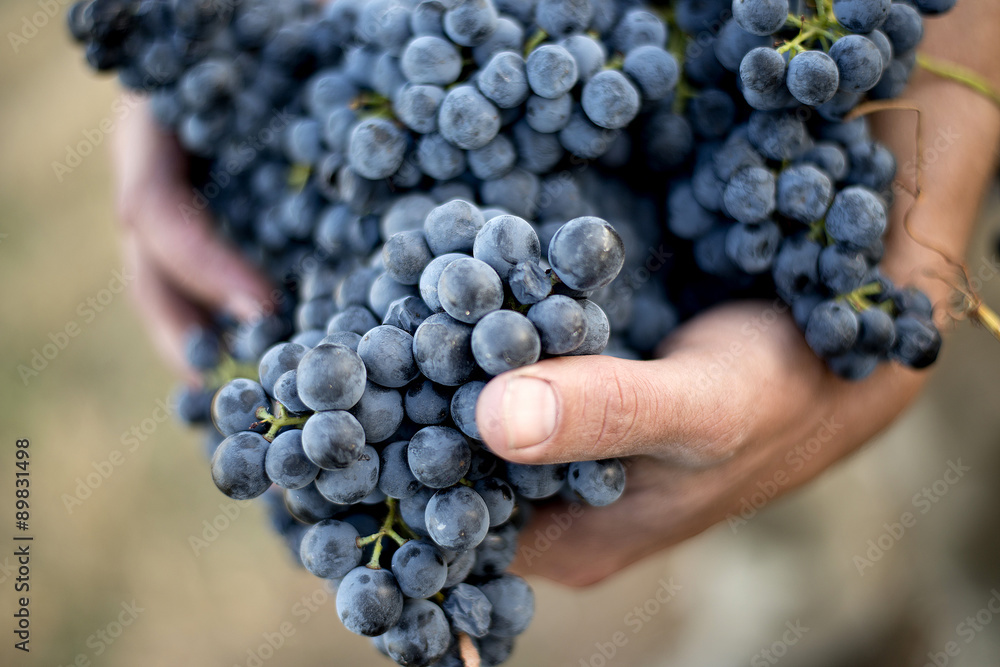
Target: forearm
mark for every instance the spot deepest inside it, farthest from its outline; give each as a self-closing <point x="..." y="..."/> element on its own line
<point x="960" y="136"/>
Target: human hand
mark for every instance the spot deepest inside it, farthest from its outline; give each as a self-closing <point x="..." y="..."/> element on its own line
<point x="183" y="269"/>
<point x="736" y="399"/>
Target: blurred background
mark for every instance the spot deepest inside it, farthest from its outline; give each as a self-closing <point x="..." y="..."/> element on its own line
<point x="121" y="497"/>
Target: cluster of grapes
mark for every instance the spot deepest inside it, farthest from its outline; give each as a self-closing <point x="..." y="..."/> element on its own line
<point x="404" y="171"/>
<point x="374" y="437"/>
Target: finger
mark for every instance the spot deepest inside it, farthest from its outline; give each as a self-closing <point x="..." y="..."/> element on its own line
<point x="166" y="314"/>
<point x="697" y="405"/>
<point x="172" y="226"/>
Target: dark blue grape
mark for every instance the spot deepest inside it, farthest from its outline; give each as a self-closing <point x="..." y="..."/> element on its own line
<point x="431" y="60"/>
<point x="380" y="412"/>
<point x="832" y="329"/>
<point x="467" y="119"/>
<point x="589" y="54"/>
<point x="452" y="227"/>
<point x="504" y="80"/>
<point x="470" y="22"/>
<point x="536" y="481"/>
<point x="421" y="637"/>
<point x="463" y="408"/>
<point x="586" y="253"/>
<point x="235" y="406"/>
<point x="857" y="217"/>
<point x="762" y="70"/>
<point x="504" y="241"/>
<point x="561" y="324"/>
<point x="396" y="480"/>
<point x="329" y="549"/>
<point x="750" y="195"/>
<point x="877" y="335"/>
<point x="469" y="289"/>
<point x="513" y="604"/>
<point x="918" y="342"/>
<point x="277" y="361"/>
<point x="861" y="16"/>
<point x="551" y="71"/>
<point x="499" y="498"/>
<point x="354" y="319"/>
<point x="804" y="193"/>
<point x="508" y="36"/>
<point x="330" y="377"/>
<point x="842" y="270"/>
<point x="639" y="27"/>
<point x="813" y="77"/>
<point x="859" y="63"/>
<point x="426" y="403"/>
<point x="369" y="602"/>
<point x="388" y="356"/>
<point x="903" y="27"/>
<point x="439" y="456"/>
<point x="238" y="466"/>
<point x="505" y="340"/>
<point x="308" y="506"/>
<point x="333" y="439"/>
<point x="610" y="100"/>
<point x="548" y="115"/>
<point x="407" y="314"/>
<point x="417" y="108"/>
<point x="599" y="483"/>
<point x="287" y="464"/>
<point x="349" y="485"/>
<point x="419" y="569"/>
<point x="376" y="148"/>
<point x="457" y="518"/>
<point x="468" y="609"/>
<point x="429" y="280"/>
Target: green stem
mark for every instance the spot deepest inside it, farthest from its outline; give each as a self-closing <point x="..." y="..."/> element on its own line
<point x="392" y="518"/>
<point x="282" y="420"/>
<point x="534" y="41"/>
<point x="954" y="72"/>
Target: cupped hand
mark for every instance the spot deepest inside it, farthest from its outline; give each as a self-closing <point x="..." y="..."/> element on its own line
<point x="736" y="405"/>
<point x="182" y="269"/>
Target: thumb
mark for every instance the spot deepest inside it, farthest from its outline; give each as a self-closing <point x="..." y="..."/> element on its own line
<point x="720" y="386"/>
<point x="585" y="408"/>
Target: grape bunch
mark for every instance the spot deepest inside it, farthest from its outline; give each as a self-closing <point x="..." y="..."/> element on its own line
<point x="371" y="433"/>
<point x="446" y="190"/>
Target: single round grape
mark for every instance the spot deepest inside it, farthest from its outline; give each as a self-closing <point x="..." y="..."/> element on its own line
<point x="369" y="601"/>
<point x="469" y="289"/>
<point x="610" y="100"/>
<point x="235" y="406"/>
<point x="420" y="637"/>
<point x="419" y="569"/>
<point x="561" y="324"/>
<point x="586" y="253"/>
<point x="388" y="356"/>
<point x="349" y="485"/>
<point x="551" y="71"/>
<point x="442" y="349"/>
<point x="536" y="481"/>
<point x="329" y="549"/>
<point x="333" y="439"/>
<point x="513" y="604"/>
<point x="457" y="518"/>
<point x="499" y="498"/>
<point x="463" y="408"/>
<point x="431" y="60"/>
<point x="330" y="377"/>
<point x="396" y="480"/>
<point x="380" y="412"/>
<point x="287" y="464"/>
<point x="438" y="456"/>
<point x="504" y="340"/>
<point x="599" y="483"/>
<point x="238" y="466"/>
<point x="468" y="609"/>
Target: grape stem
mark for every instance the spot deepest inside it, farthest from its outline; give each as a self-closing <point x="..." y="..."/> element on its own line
<point x="954" y="72"/>
<point x="858" y="299"/>
<point x="387" y="530"/>
<point x="229" y="369"/>
<point x="535" y="41"/>
<point x="279" y="421"/>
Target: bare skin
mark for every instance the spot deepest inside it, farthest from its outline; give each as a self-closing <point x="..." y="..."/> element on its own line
<point x="735" y="391"/>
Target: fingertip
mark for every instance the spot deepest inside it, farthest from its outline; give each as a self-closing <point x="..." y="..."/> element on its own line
<point x="518" y="412"/>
